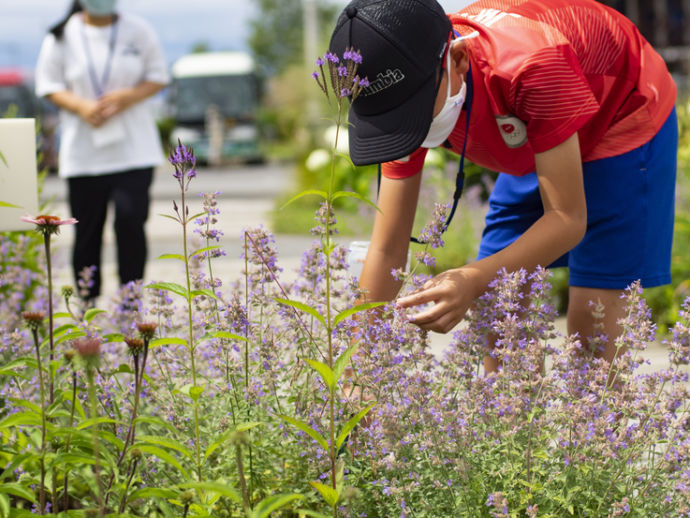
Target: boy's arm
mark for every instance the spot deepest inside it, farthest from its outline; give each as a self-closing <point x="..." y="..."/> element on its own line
<point x="561" y="227"/>
<point x="390" y="237"/>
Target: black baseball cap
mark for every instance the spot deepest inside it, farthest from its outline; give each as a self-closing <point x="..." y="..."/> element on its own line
<point x="401" y="43"/>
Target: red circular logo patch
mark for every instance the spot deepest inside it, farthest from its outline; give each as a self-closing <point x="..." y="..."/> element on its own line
<point x="508" y="128"/>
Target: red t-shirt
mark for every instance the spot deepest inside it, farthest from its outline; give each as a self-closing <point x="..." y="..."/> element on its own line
<point x="542" y="70"/>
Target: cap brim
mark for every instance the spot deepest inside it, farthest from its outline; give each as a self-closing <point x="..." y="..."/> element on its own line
<point x="393" y="134"/>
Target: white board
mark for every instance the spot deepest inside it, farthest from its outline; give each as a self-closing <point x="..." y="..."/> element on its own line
<point x="18" y="173"/>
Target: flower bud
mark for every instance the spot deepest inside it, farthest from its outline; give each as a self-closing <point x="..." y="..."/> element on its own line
<point x="186" y="497"/>
<point x="87" y="347"/>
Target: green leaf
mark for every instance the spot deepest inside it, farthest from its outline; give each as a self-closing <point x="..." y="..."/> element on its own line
<point x="113" y="338"/>
<point x="313" y="514"/>
<point x="174" y="218"/>
<point x="167" y="443"/>
<point x="16" y="461"/>
<point x="324" y="371"/>
<point x="180" y="257"/>
<point x="9" y="205"/>
<point x="216" y="487"/>
<point x="3" y="159"/>
<point x="351" y="311"/>
<point x="169" y="286"/>
<point x="155" y="421"/>
<point x="122" y="369"/>
<point x="62" y="314"/>
<point x="152" y="492"/>
<point x="225" y="335"/>
<point x="197" y="215"/>
<point x="4" y="506"/>
<point x="349" y="426"/>
<point x="349" y="194"/>
<point x="329" y="494"/>
<point x="272" y="503"/>
<point x="12" y="488"/>
<point x="321" y="194"/>
<point x="204" y="291"/>
<point x="171" y="340"/>
<point x="8" y="368"/>
<point x="99" y="420"/>
<point x="303" y="307"/>
<point x="195" y="393"/>
<point x="342" y="361"/>
<point x="242" y="427"/>
<point x="162" y="455"/>
<point x="74" y="459"/>
<point x="203" y="250"/>
<point x="91" y="313"/>
<point x="21" y="419"/>
<point x="306" y="429"/>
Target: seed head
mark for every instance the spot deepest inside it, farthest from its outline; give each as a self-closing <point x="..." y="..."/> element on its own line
<point x="147" y="330"/>
<point x="33" y="319"/>
<point x="134" y="344"/>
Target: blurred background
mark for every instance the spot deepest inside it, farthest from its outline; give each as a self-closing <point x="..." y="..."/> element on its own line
<point x="242" y="95"/>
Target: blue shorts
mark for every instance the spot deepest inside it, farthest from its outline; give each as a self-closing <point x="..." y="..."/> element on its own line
<point x="630" y="213"/>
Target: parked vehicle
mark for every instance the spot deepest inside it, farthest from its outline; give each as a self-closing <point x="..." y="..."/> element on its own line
<point x="214" y="99"/>
<point x="17" y="99"/>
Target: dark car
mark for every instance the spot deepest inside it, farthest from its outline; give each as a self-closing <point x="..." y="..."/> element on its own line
<point x="17" y="99"/>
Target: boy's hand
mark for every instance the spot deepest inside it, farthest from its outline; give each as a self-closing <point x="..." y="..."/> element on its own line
<point x="452" y="293"/>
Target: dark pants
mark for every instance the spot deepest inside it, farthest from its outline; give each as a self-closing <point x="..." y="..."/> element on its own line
<point x="89" y="197"/>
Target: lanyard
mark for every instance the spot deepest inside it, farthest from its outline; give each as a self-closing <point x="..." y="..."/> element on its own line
<point x="460" y="178"/>
<point x="99" y="86"/>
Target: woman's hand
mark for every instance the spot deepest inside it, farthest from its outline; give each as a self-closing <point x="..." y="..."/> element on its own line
<point x="452" y="293"/>
<point x="117" y="101"/>
<point x="90" y="111"/>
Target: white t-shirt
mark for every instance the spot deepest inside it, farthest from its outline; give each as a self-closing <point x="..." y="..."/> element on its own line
<point x="131" y="139"/>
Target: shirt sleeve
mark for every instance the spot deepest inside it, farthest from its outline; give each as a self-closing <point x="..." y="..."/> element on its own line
<point x="552" y="96"/>
<point x="49" y="73"/>
<point x="154" y="57"/>
<point x="405" y="167"/>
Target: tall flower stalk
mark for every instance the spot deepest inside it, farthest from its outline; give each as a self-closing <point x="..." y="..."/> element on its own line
<point x="49" y="225"/>
<point x="184" y="161"/>
<point x="339" y="81"/>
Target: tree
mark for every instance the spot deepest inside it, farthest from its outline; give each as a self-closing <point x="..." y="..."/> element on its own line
<point x="277" y="32"/>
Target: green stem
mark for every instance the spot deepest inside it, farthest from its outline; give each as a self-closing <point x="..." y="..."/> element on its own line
<point x="190" y="322"/>
<point x="51" y="356"/>
<point x="329" y="328"/>
<point x="42" y="489"/>
<point x="93" y="404"/>
<point x="69" y="437"/>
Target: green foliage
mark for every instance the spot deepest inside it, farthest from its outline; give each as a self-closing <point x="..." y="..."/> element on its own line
<point x="665" y="301"/>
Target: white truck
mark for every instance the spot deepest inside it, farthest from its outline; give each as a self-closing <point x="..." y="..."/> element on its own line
<point x="214" y="98"/>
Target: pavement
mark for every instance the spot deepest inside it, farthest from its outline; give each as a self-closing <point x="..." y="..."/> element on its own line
<point x="247" y="197"/>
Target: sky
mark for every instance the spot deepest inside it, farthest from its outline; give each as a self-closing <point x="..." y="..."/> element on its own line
<point x="222" y="24"/>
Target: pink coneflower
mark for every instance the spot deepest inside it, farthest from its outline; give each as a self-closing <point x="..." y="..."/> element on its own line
<point x="48" y="224"/>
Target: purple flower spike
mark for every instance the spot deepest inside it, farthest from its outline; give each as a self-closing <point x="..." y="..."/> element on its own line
<point x="353" y="56"/>
<point x="364" y="83"/>
<point x="320" y="61"/>
<point x="342" y="71"/>
<point x="331" y="57"/>
<point x="315" y="75"/>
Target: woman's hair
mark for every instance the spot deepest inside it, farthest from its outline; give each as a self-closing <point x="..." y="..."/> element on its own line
<point x="59" y="28"/>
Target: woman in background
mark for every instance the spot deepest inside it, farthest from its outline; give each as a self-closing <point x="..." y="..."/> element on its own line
<point x="98" y="66"/>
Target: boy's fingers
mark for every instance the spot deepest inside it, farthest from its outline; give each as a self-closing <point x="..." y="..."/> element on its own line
<point x="415" y="299"/>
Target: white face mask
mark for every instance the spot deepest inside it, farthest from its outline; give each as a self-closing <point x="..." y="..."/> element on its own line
<point x="443" y="123"/>
<point x="99" y="7"/>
